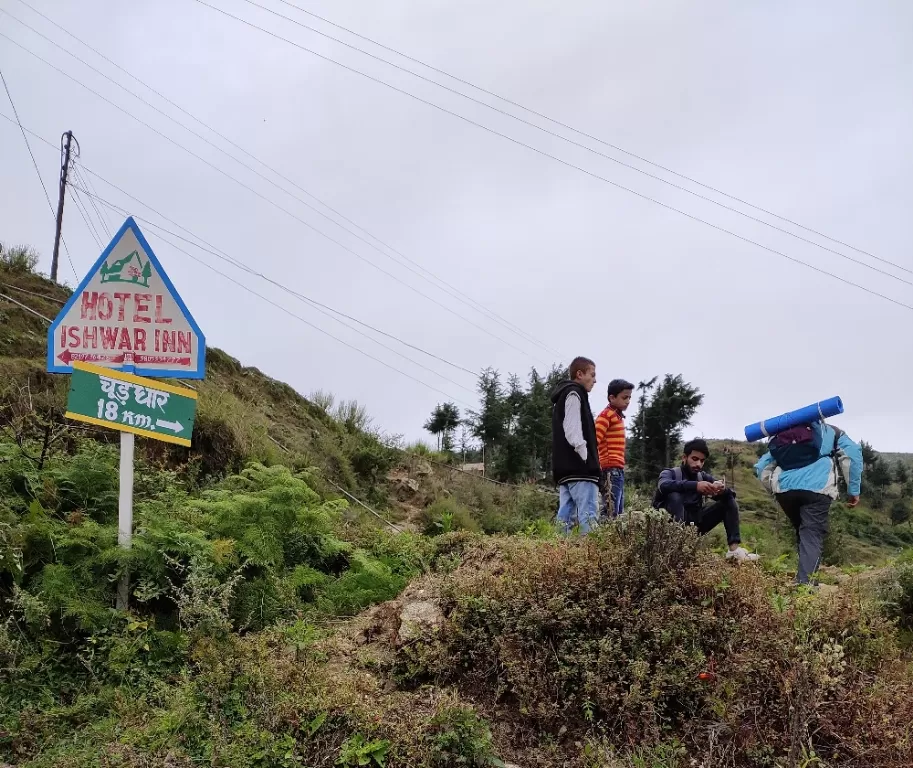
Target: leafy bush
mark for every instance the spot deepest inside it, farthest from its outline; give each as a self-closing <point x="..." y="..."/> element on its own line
<point x="360" y="751"/>
<point x="18" y="259"/>
<point x="638" y="631"/>
<point x="897" y="590"/>
<point x="458" y="736"/>
<point x="446" y="515"/>
<point x="367" y="581"/>
<point x="900" y="511"/>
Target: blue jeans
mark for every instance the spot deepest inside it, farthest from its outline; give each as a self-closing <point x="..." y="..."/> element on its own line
<point x="578" y="506"/>
<point x="613" y="496"/>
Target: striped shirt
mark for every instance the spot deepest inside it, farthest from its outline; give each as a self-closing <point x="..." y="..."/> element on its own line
<point x="610" y="437"/>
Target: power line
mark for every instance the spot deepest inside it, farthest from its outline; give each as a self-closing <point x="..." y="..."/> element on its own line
<point x="84" y="214"/>
<point x="567" y="163"/>
<point x="35" y="164"/>
<point x="264" y="197"/>
<point x="301" y="297"/>
<point x="575" y="130"/>
<point x="323" y="308"/>
<point x="440" y="283"/>
<point x="584" y="146"/>
<point x="478" y="306"/>
<point x="657" y="202"/>
<point x="221" y="254"/>
<point x="315" y="326"/>
<point x="102" y="223"/>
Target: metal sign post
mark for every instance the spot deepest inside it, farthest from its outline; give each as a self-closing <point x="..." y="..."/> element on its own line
<point x="125" y="512"/>
<point x="133" y="406"/>
<point x="126" y="318"/>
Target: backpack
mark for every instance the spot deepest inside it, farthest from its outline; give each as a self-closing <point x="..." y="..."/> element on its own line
<point x="679" y="476"/>
<point x="800" y="446"/>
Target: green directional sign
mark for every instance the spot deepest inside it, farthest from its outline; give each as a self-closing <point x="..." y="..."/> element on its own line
<point x="122" y="401"/>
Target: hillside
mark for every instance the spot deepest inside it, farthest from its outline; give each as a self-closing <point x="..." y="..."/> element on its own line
<point x="244" y="415"/>
<point x="275" y="622"/>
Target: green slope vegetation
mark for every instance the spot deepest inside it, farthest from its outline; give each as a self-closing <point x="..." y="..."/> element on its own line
<point x="274" y="623"/>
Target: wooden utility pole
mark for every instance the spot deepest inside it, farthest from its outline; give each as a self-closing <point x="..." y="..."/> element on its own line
<point x="65" y="140"/>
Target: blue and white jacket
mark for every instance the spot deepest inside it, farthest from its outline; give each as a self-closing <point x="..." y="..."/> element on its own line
<point x="820" y="477"/>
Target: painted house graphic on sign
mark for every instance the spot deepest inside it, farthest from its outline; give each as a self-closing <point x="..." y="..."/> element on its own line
<point x="129" y="269"/>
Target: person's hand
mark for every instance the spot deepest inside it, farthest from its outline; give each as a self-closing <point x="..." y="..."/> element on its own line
<point x="705" y="488"/>
<point x="852" y="501"/>
<point x="718" y="487"/>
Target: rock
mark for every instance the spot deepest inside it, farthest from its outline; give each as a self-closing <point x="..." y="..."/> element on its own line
<point x="423" y="468"/>
<point x="405" y="488"/>
<point x="419" y="617"/>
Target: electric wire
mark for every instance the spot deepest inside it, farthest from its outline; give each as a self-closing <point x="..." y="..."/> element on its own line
<point x="580" y="145"/>
<point x="579" y="132"/>
<point x="37" y="170"/>
<point x="315" y="326"/>
<point x="83" y="212"/>
<point x="424" y="273"/>
<point x="569" y="164"/>
<point x="310" y="226"/>
<point x="102" y="223"/>
<point x="323" y="308"/>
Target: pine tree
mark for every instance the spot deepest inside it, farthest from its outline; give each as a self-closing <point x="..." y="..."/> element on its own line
<point x="657" y="431"/>
<point x="489" y="423"/>
<point x="900" y="511"/>
<point x="869" y="456"/>
<point x="443" y="420"/>
<point x="880" y="476"/>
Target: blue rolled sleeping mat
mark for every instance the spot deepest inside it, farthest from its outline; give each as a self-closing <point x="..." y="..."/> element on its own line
<point x="819" y="411"/>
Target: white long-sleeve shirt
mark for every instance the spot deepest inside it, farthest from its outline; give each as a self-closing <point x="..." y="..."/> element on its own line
<point x="573" y="424"/>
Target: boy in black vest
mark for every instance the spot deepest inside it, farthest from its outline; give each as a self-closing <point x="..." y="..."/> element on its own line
<point x="681" y="492"/>
<point x="575" y="456"/>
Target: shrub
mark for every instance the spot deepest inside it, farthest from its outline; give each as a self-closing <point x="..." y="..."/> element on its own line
<point x="357" y="750"/>
<point x="900" y="511"/>
<point x="367" y="581"/>
<point x="458" y="736"/>
<point x="446" y="515"/>
<point x="896" y="589"/>
<point x="18" y="259"/>
<point x="638" y="632"/>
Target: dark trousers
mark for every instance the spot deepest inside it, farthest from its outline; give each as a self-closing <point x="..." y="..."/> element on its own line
<point x="724" y="510"/>
<point x="809" y="513"/>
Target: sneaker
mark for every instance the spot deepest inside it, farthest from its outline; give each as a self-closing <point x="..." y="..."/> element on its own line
<point x="742" y="554"/>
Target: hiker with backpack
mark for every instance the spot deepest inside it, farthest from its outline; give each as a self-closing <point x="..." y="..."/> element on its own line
<point x="682" y="491"/>
<point x="802" y="469"/>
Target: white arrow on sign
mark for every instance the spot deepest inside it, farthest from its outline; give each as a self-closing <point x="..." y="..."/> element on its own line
<point x="174" y="426"/>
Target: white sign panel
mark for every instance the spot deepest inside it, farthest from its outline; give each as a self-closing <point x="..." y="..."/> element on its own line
<point x="127" y="315"/>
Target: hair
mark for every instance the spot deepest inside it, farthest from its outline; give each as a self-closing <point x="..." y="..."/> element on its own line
<point x="579" y="365"/>
<point x="617" y="386"/>
<point x="699" y="445"/>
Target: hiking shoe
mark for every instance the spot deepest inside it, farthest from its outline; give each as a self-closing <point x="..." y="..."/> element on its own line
<point x="742" y="554"/>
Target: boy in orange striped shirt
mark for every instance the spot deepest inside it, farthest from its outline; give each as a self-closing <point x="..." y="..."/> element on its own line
<point x="610" y="438"/>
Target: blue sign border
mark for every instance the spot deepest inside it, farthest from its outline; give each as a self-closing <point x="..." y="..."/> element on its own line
<point x="200" y="373"/>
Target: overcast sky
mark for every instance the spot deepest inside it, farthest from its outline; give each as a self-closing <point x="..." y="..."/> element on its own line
<point x="805" y="109"/>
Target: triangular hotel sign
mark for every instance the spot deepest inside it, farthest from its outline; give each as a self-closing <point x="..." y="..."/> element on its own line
<point x="127" y="315"/>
